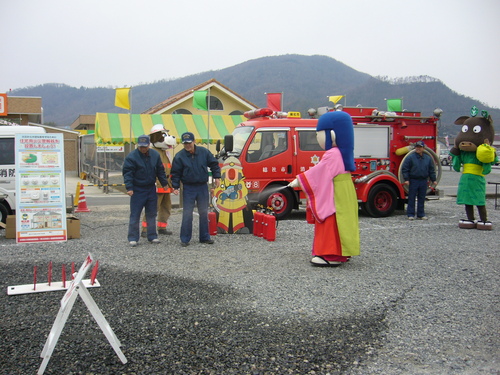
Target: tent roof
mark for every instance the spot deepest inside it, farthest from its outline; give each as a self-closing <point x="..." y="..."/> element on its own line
<point x="113" y="128"/>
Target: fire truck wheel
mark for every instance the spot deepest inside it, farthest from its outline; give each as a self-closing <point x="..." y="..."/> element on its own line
<point x="382" y="201"/>
<point x="3" y="213"/>
<point x="437" y="164"/>
<point x="280" y="199"/>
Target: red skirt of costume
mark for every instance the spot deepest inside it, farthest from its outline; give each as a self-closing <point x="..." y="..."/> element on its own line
<point x="333" y="203"/>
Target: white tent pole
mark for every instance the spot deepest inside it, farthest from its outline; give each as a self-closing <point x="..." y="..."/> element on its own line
<point x="208" y="120"/>
<point x="130" y="121"/>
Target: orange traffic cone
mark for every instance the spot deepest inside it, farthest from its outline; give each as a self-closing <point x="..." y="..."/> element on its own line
<point x="82" y="202"/>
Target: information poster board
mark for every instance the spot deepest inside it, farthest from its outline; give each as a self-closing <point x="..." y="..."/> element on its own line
<point x="40" y="188"/>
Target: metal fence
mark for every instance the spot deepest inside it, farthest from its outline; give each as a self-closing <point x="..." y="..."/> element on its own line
<point x="101" y="165"/>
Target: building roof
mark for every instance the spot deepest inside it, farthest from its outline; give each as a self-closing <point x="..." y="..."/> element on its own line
<point x="83" y="122"/>
<point x="187" y="94"/>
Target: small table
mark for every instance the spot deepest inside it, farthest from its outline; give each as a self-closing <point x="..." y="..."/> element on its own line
<point x="496" y="192"/>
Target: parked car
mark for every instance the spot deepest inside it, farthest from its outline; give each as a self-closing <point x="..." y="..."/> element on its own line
<point x="445" y="157"/>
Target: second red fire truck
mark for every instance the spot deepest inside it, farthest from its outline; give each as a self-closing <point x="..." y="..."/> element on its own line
<point x="273" y="148"/>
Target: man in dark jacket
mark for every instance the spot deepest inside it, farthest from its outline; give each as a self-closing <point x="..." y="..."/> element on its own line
<point x="140" y="170"/>
<point x="417" y="169"/>
<point x="190" y="166"/>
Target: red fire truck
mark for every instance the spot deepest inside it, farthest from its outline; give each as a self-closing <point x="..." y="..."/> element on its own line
<point x="273" y="148"/>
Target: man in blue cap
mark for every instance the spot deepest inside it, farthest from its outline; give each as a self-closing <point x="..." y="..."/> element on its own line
<point x="140" y="170"/>
<point x="190" y="166"/>
<point x="417" y="169"/>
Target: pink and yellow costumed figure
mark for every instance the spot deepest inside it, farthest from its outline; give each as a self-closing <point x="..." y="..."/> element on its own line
<point x="231" y="198"/>
<point x="330" y="192"/>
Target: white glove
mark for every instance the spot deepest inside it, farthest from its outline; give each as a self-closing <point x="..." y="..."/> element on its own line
<point x="295" y="183"/>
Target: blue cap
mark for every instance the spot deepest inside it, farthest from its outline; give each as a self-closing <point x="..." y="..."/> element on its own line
<point x="143" y="141"/>
<point x="419" y="144"/>
<point x="187" y="137"/>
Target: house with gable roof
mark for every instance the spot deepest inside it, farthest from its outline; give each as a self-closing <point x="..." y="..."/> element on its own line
<point x="178" y="115"/>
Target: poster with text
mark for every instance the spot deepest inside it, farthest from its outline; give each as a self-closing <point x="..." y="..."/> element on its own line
<point x="40" y="188"/>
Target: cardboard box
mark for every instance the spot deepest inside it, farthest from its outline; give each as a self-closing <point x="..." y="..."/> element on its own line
<point x="10" y="229"/>
<point x="72" y="225"/>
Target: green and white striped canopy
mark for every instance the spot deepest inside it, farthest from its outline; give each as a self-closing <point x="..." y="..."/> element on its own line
<point x="114" y="128"/>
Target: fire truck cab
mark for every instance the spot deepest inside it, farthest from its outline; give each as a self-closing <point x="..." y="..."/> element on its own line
<point x="273" y="148"/>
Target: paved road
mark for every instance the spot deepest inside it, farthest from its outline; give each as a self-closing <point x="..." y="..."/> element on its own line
<point x="422" y="298"/>
<point x="95" y="196"/>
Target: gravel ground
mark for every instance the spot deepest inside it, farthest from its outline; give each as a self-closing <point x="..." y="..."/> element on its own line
<point x="423" y="298"/>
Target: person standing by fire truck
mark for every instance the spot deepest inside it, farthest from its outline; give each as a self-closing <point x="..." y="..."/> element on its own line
<point x="417" y="169"/>
<point x="190" y="166"/>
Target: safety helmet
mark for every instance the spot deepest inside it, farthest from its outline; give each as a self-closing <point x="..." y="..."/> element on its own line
<point x="157" y="128"/>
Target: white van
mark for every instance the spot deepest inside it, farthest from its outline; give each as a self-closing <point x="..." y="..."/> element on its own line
<point x="8" y="165"/>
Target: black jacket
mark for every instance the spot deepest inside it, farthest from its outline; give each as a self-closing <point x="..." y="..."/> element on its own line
<point x="192" y="169"/>
<point x="142" y="170"/>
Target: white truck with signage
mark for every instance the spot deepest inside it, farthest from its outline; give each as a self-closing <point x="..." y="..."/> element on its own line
<point x="8" y="165"/>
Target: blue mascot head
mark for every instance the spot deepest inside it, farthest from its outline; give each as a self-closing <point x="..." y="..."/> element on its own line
<point x="341" y="124"/>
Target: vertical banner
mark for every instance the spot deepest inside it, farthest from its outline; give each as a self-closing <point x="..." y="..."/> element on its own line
<point x="274" y="101"/>
<point x="200" y="100"/>
<point x="40" y="188"/>
<point x="335" y="98"/>
<point x="3" y="105"/>
<point x="394" y="105"/>
<point x="122" y="98"/>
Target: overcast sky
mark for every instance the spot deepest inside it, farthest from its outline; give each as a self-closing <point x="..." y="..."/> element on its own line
<point x="116" y="43"/>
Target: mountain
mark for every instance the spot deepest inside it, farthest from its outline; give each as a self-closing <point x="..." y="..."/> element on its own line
<point x="306" y="82"/>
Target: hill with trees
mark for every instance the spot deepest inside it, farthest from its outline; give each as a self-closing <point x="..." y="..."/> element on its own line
<point x="305" y="81"/>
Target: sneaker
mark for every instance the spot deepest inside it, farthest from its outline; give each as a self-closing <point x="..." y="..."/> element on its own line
<point x="411" y="218"/>
<point x="164" y="231"/>
<point x="133" y="243"/>
<point x="210" y="242"/>
<point x="184" y="244"/>
<point x="424" y="218"/>
<point x="155" y="241"/>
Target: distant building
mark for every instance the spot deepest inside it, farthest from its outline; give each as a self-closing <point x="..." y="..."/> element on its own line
<point x="177" y="114"/>
<point x="23" y="109"/>
<point x="84" y="123"/>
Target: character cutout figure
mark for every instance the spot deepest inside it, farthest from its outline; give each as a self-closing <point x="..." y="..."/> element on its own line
<point x="164" y="143"/>
<point x="330" y="192"/>
<point x="473" y="149"/>
<point x="231" y="198"/>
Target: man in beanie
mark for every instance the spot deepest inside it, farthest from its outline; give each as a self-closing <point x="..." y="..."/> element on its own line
<point x="140" y="170"/>
<point x="190" y="166"/>
<point x="417" y="169"/>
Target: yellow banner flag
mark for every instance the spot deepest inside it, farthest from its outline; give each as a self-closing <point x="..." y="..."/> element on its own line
<point x="121" y="98"/>
<point x="335" y="98"/>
